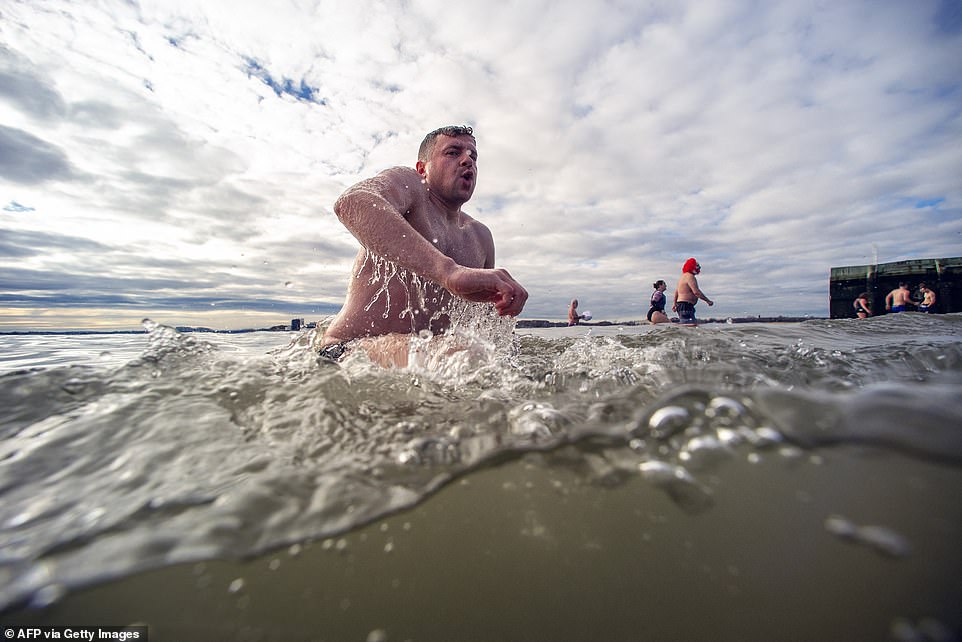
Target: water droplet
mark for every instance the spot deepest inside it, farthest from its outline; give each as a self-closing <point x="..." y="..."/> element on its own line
<point x="377" y="635"/>
<point x="46" y="596"/>
<point x="668" y="420"/>
<point x="236" y="586"/>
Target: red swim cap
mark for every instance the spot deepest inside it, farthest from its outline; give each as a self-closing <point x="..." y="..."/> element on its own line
<point x="690" y="266"/>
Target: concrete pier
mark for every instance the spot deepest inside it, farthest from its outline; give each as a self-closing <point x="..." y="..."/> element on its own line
<point x="944" y="276"/>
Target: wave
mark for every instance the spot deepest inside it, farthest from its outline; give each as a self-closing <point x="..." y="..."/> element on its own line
<point x="197" y="450"/>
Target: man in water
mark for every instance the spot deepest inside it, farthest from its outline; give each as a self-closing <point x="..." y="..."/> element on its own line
<point x="928" y="299"/>
<point x="412" y="219"/>
<point x="573" y="317"/>
<point x="899" y="299"/>
<point x="687" y="293"/>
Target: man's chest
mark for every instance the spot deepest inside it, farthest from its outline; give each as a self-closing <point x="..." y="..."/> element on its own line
<point x="461" y="243"/>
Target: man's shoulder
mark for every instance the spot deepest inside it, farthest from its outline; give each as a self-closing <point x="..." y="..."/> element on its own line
<point x="400" y="172"/>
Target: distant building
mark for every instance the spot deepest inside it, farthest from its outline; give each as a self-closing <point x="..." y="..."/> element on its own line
<point x="297" y="324"/>
<point x="944" y="276"/>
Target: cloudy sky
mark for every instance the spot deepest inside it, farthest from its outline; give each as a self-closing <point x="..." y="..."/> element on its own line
<point x="179" y="160"/>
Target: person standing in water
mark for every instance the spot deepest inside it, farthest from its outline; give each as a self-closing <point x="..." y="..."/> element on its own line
<point x="687" y="293"/>
<point x="573" y="317"/>
<point x="656" y="313"/>
<point x="862" y="307"/>
<point x="412" y="218"/>
<point x="928" y="299"/>
<point x="899" y="299"/>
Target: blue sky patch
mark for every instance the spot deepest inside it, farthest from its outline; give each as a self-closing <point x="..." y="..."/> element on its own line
<point x="928" y="202"/>
<point x="14" y="206"/>
<point x="299" y="90"/>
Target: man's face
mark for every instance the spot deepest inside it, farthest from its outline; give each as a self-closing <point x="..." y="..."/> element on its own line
<point x="452" y="169"/>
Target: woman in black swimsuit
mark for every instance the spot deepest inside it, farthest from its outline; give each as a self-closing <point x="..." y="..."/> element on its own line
<point x="656" y="313"/>
<point x="862" y="309"/>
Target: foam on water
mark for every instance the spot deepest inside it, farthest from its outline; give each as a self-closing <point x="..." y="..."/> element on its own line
<point x="195" y="449"/>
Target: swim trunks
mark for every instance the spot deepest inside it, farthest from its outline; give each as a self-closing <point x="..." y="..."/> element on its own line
<point x="927" y="308"/>
<point x="686" y="311"/>
<point x="334" y="352"/>
<point x="898" y="308"/>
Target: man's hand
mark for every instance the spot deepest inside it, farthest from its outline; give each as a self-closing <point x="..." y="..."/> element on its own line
<point x="488" y="286"/>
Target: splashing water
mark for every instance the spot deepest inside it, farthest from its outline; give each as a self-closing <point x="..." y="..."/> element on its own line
<point x="195" y="448"/>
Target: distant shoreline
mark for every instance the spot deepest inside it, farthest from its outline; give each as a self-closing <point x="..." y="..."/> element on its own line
<point x="537" y="323"/>
<point x="521" y="323"/>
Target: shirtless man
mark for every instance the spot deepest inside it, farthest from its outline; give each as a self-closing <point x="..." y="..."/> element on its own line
<point x="899" y="299"/>
<point x="687" y="293"/>
<point x="928" y="299"/>
<point x="573" y="317"/>
<point x="412" y="218"/>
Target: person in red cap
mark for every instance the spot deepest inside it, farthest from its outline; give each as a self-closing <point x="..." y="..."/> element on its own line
<point x="687" y="293"/>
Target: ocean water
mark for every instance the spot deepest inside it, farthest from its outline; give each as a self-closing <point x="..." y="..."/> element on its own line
<point x="726" y="482"/>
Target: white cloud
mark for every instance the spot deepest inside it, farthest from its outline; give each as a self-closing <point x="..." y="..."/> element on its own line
<point x="772" y="141"/>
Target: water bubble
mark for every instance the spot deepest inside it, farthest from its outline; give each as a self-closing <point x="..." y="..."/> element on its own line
<point x="377" y="635"/>
<point x="666" y="421"/>
<point x="46" y="596"/>
<point x="724" y="407"/>
<point x="236" y="586"/>
<point x="840" y="527"/>
<point x="701" y="452"/>
<point x="678" y="483"/>
<point x="535" y="420"/>
<point x="765" y="436"/>
<point x="884" y="540"/>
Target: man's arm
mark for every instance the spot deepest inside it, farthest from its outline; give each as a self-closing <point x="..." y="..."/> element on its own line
<point x="698" y="293"/>
<point x="372" y="212"/>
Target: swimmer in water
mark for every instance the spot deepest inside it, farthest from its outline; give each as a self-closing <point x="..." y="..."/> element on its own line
<point x="656" y="313"/>
<point x="928" y="299"/>
<point x="413" y="219"/>
<point x="899" y="299"/>
<point x="687" y="293"/>
<point x="573" y="317"/>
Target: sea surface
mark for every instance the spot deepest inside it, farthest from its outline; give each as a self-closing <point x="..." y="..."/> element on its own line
<point x="797" y="481"/>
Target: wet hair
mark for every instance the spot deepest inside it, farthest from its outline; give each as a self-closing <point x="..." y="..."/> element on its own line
<point x="427" y="145"/>
<point x="658" y="283"/>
